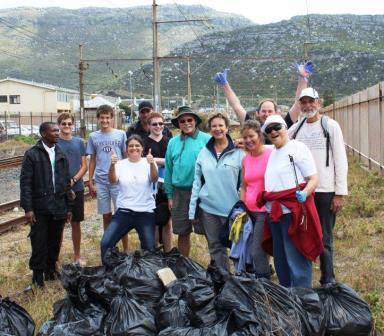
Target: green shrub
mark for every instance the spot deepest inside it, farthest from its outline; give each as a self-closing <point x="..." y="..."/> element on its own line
<point x="30" y="140"/>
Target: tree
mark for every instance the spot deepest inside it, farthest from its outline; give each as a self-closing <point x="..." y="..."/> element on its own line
<point x="127" y="108"/>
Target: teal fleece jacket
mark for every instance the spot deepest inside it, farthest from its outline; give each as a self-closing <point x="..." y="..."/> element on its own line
<point x="222" y="176"/>
<point x="180" y="159"/>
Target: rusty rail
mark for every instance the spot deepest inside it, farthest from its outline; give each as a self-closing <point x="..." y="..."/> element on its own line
<point x="14" y="161"/>
<point x="18" y="221"/>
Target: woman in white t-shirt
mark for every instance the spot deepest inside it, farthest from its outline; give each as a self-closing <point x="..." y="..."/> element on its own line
<point x="293" y="232"/>
<point x="135" y="202"/>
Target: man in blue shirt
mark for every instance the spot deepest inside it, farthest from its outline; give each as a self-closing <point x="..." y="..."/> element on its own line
<point x="74" y="149"/>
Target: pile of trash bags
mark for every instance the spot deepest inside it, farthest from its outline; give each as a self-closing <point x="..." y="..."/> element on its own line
<point x="14" y="319"/>
<point x="126" y="297"/>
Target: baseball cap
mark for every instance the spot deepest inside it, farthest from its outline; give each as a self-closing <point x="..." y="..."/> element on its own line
<point x="309" y="92"/>
<point x="273" y="119"/>
<point x="145" y="105"/>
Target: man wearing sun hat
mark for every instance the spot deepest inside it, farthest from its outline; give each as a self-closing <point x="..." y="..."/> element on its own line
<point x="323" y="136"/>
<point x="180" y="160"/>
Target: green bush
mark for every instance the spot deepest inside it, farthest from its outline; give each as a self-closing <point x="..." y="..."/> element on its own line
<point x="30" y="140"/>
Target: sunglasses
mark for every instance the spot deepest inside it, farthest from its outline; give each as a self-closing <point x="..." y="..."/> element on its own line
<point x="66" y="124"/>
<point x="276" y="128"/>
<point x="157" y="124"/>
<point x="183" y="121"/>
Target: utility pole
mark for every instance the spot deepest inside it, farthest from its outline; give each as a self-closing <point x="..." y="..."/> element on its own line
<point x="156" y="61"/>
<point x="130" y="73"/>
<point x="189" y="84"/>
<point x="82" y="69"/>
<point x="156" y="58"/>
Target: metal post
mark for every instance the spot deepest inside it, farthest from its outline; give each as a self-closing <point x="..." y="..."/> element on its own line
<point x="189" y="75"/>
<point x="156" y="60"/>
<point x="81" y="92"/>
<point x="130" y="86"/>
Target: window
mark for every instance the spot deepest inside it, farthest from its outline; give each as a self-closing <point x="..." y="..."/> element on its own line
<point x="15" y="99"/>
<point x="3" y="99"/>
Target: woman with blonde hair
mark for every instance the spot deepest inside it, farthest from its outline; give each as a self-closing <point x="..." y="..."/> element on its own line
<point x="216" y="185"/>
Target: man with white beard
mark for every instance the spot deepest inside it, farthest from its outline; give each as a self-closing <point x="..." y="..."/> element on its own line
<point x="323" y="136"/>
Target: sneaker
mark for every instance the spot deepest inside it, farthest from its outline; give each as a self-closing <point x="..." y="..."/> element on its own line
<point x="38" y="279"/>
<point x="80" y="263"/>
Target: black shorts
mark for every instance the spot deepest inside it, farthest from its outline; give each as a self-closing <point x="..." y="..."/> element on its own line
<point x="162" y="213"/>
<point x="78" y="207"/>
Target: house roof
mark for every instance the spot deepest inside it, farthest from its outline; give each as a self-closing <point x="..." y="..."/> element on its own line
<point x="41" y="85"/>
<point x="96" y="102"/>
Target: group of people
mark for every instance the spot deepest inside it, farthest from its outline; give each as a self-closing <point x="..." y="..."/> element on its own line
<point x="290" y="174"/>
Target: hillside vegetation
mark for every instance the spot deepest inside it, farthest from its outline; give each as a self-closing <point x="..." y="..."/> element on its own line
<point x="347" y="51"/>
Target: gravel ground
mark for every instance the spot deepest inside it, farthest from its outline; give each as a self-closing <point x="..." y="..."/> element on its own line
<point x="9" y="184"/>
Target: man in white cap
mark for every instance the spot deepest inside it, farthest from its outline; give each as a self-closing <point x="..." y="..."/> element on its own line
<point x="323" y="136"/>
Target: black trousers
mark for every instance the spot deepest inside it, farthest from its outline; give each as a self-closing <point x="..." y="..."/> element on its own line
<point x="323" y="201"/>
<point x="45" y="238"/>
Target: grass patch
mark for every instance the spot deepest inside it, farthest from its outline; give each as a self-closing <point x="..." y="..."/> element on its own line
<point x="359" y="250"/>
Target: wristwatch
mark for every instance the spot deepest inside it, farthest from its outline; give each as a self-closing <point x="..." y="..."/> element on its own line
<point x="74" y="179"/>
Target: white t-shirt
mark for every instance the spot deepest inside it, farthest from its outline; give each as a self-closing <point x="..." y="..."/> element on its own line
<point x="279" y="174"/>
<point x="52" y="157"/>
<point x="135" y="186"/>
<point x="334" y="177"/>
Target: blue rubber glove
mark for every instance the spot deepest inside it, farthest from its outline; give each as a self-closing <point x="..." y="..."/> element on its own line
<point x="221" y="77"/>
<point x="301" y="196"/>
<point x="306" y="69"/>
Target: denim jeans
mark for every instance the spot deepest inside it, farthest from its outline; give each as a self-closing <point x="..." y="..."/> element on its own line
<point x="292" y="268"/>
<point x="123" y="221"/>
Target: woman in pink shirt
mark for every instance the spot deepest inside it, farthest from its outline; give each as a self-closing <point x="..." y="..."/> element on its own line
<point x="254" y="166"/>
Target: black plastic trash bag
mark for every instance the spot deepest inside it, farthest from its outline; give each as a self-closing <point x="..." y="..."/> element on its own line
<point x="128" y="317"/>
<point x="200" y="297"/>
<point x="14" y="319"/>
<point x="218" y="275"/>
<point x="345" y="312"/>
<point x="138" y="275"/>
<point x="262" y="306"/>
<point x="88" y="285"/>
<point x="218" y="329"/>
<point x="189" y="301"/>
<point x="313" y="307"/>
<point x="183" y="266"/>
<point x="222" y="327"/>
<point x="114" y="257"/>
<point x="173" y="310"/>
<point x="86" y="320"/>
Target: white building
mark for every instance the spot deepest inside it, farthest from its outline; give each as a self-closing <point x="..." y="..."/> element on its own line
<point x="26" y="97"/>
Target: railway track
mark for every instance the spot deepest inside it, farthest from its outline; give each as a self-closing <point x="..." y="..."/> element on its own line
<point x="13" y="223"/>
<point x="14" y="161"/>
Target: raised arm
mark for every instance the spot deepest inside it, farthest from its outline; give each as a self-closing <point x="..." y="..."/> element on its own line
<point x="221" y="79"/>
<point x="304" y="70"/>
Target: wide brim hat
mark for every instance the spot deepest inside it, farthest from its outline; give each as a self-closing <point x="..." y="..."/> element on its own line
<point x="183" y="110"/>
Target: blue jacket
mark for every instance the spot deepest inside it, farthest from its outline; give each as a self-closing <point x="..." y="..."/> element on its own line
<point x="216" y="183"/>
<point x="180" y="160"/>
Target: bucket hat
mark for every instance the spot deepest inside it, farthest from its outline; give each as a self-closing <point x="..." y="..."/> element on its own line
<point x="183" y="110"/>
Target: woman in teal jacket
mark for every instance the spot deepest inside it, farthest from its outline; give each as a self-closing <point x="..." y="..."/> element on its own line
<point x="180" y="160"/>
<point x="216" y="185"/>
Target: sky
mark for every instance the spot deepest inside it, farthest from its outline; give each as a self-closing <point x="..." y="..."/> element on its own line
<point x="261" y="12"/>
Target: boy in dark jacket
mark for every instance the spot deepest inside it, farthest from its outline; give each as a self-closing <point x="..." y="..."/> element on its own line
<point x="44" y="196"/>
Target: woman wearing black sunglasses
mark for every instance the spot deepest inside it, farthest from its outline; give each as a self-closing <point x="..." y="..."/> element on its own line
<point x="158" y="143"/>
<point x="293" y="232"/>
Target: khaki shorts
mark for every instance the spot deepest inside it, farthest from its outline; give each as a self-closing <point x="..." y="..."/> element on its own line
<point x="180" y="209"/>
